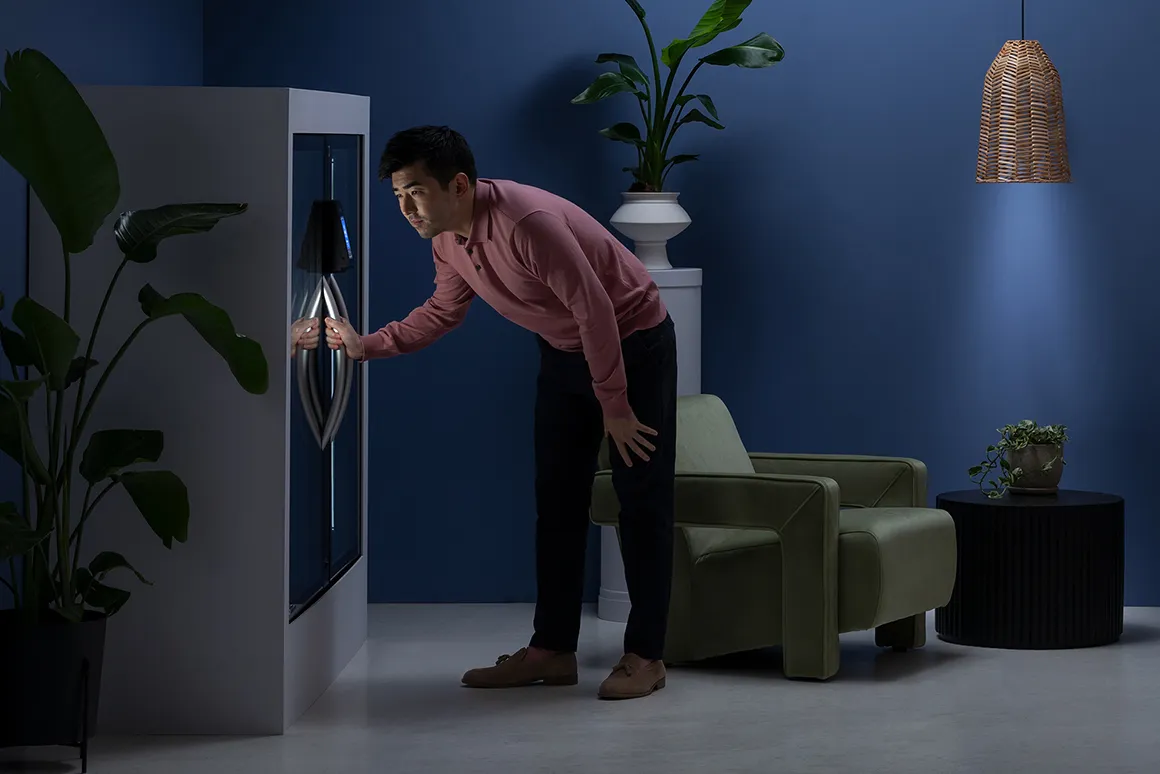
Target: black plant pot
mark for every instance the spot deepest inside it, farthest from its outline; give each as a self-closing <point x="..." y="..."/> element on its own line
<point x="50" y="680"/>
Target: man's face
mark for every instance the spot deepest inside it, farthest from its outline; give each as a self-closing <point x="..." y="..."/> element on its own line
<point x="429" y="207"/>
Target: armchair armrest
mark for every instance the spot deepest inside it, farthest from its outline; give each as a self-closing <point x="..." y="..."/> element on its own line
<point x="866" y="481"/>
<point x="803" y="511"/>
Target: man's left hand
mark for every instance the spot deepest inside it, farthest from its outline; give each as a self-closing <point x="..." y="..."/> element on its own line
<point x="626" y="434"/>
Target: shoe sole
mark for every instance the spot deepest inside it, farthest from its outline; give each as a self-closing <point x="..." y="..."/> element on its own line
<point x="621" y="696"/>
<point x="547" y="681"/>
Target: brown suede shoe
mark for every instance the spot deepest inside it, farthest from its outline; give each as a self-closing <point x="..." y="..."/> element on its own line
<point x="633" y="679"/>
<point x="516" y="671"/>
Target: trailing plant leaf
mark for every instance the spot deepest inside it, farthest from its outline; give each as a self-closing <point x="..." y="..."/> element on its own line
<point x="49" y="135"/>
<point x="107" y="599"/>
<point x="107" y="561"/>
<point x="51" y="341"/>
<point x="139" y="232"/>
<point x="1012" y="438"/>
<point x="243" y="355"/>
<point x="161" y="497"/>
<point x="110" y="451"/>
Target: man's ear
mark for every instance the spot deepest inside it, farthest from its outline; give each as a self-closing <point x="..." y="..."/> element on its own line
<point x="462" y="184"/>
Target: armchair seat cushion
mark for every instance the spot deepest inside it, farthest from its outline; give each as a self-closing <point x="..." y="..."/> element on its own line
<point x="892" y="563"/>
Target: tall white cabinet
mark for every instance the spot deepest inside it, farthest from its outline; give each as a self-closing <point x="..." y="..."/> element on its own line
<point x="252" y="619"/>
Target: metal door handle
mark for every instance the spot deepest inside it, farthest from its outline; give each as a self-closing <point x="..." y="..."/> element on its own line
<point x="324" y="424"/>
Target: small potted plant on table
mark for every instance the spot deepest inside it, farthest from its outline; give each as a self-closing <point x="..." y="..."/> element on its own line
<point x="1029" y="457"/>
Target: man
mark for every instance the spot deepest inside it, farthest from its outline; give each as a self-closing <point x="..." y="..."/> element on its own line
<point x="608" y="367"/>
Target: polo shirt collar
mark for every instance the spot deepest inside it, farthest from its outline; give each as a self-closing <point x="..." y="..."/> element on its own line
<point x="480" y="215"/>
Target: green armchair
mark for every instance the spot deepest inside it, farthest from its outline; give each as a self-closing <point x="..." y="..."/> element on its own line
<point x="793" y="549"/>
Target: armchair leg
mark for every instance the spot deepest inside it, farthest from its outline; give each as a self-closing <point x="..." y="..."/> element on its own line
<point x="902" y="635"/>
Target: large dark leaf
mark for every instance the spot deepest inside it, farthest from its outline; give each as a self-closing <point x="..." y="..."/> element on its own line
<point x="17" y="538"/>
<point x="759" y="51"/>
<point x="95" y="594"/>
<point x="624" y="132"/>
<point x="695" y="116"/>
<point x="139" y="232"/>
<point x="51" y="341"/>
<point x="109" y="451"/>
<point x="16" y="440"/>
<point x="705" y="100"/>
<point x="243" y="355"/>
<point x="605" y="85"/>
<point x="16" y="348"/>
<point x="628" y="67"/>
<point x="722" y="16"/>
<point x="163" y="500"/>
<point x="49" y="135"/>
<point x="78" y="368"/>
<point x="107" y="561"/>
<point x="21" y="389"/>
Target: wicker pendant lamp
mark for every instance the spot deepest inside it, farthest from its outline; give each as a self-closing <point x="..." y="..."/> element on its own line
<point x="1022" y="135"/>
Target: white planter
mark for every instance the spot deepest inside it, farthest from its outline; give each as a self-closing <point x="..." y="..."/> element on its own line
<point x="651" y="220"/>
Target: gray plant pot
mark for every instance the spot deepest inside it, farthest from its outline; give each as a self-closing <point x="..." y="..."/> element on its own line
<point x="1032" y="459"/>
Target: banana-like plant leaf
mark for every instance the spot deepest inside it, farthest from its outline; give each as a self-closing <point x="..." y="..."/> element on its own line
<point x="107" y="561"/>
<point x="243" y="355"/>
<point x="696" y="116"/>
<point x="107" y="599"/>
<point x="139" y="232"/>
<point x="51" y="341"/>
<point x="21" y="389"/>
<point x="49" y="135"/>
<point x="17" y="538"/>
<point x="16" y="439"/>
<point x="759" y="51"/>
<point x="110" y="451"/>
<point x="162" y="499"/>
<point x="624" y="132"/>
<point x="628" y="67"/>
<point x="722" y="16"/>
<point x="636" y="7"/>
<point x="605" y="85"/>
<point x="683" y="158"/>
<point x="705" y="100"/>
<point x="78" y="368"/>
<point x="15" y="347"/>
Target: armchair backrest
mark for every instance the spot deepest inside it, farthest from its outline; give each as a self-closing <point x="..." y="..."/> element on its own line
<point x="707" y="438"/>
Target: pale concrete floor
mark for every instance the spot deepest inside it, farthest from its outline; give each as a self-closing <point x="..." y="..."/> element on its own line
<point x="944" y="709"/>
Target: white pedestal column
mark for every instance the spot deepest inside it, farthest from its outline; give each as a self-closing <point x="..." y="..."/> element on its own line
<point x="681" y="291"/>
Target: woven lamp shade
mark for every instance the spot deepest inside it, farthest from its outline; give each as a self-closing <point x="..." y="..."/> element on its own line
<point x="1022" y="136"/>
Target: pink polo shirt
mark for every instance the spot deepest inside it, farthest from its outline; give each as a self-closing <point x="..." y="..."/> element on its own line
<point x="549" y="267"/>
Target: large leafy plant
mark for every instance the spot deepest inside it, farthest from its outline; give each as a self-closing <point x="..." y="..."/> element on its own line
<point x="49" y="135"/>
<point x="661" y="112"/>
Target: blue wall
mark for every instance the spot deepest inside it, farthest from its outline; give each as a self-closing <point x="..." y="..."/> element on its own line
<point x="108" y="42"/>
<point x="862" y="293"/>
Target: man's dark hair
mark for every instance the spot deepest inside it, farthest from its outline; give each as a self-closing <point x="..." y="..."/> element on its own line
<point x="442" y="150"/>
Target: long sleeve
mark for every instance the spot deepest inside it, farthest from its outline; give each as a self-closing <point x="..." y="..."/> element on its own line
<point x="552" y="251"/>
<point x="443" y="312"/>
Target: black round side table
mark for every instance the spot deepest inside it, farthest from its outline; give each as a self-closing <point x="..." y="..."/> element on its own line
<point x="1035" y="571"/>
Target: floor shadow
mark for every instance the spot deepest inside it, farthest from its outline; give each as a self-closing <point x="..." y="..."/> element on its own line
<point x="1135" y="633"/>
<point x="858" y="663"/>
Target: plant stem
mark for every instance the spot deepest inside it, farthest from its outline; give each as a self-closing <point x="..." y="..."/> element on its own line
<point x="80" y="428"/>
<point x="61" y="506"/>
<point x="12" y="586"/>
<point x="86" y="509"/>
<point x="88" y="356"/>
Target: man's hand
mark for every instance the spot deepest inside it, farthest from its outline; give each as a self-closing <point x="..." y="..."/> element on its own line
<point x="340" y="334"/>
<point x="304" y="334"/>
<point x="626" y="434"/>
